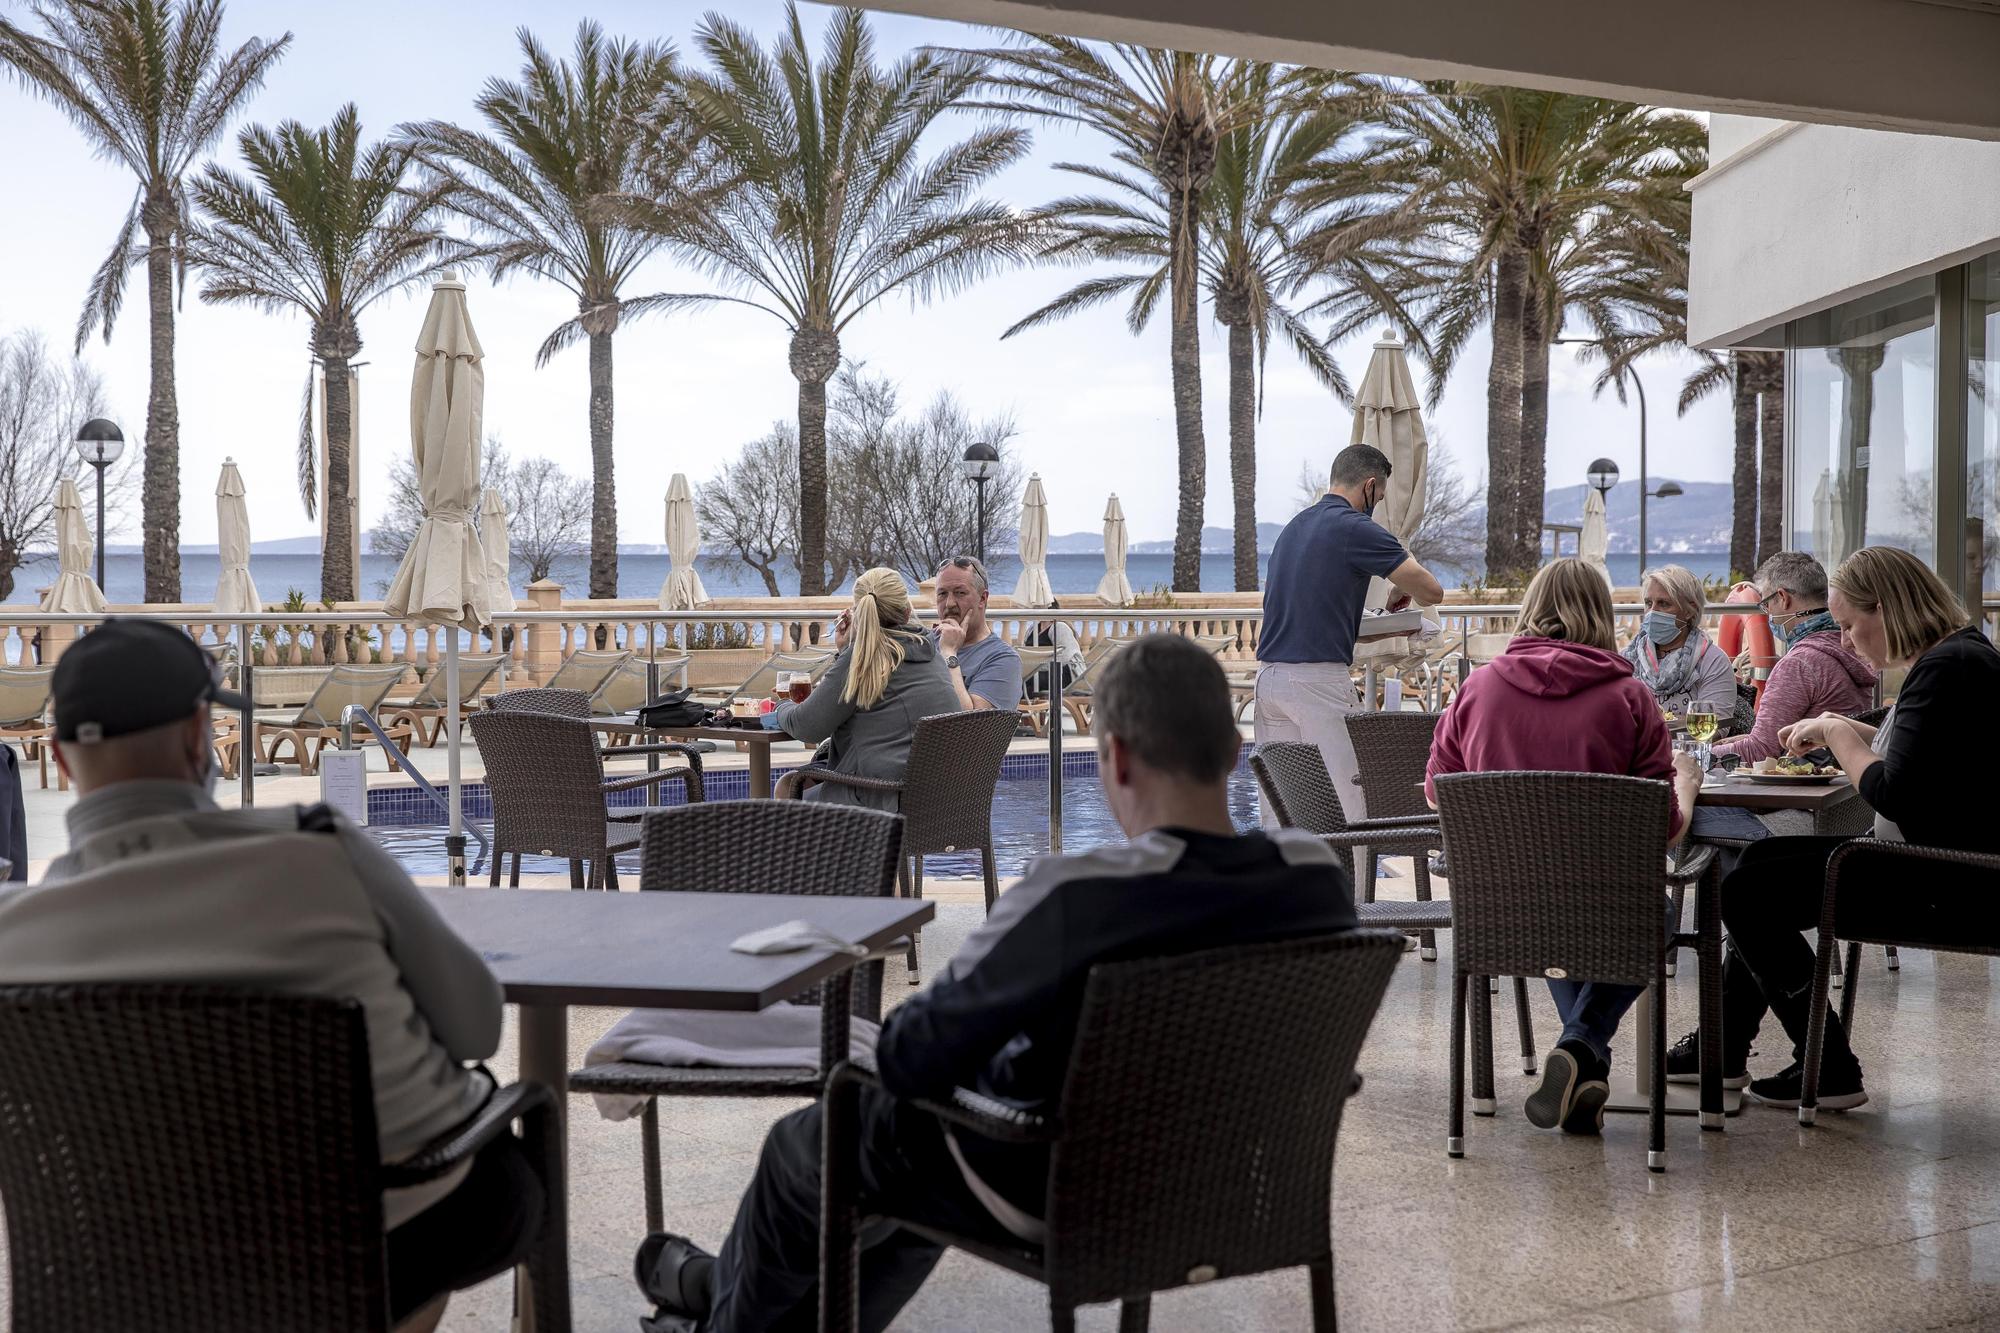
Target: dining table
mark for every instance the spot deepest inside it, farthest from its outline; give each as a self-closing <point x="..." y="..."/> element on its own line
<point x="755" y="741"/>
<point x="551" y="950"/>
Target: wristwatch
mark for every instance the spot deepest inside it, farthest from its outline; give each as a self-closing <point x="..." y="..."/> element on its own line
<point x="951" y="663"/>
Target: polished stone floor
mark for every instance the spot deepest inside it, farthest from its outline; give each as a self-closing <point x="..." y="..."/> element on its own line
<point x="1883" y="1218"/>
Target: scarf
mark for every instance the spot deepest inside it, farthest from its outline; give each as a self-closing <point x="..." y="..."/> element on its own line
<point x="1819" y="622"/>
<point x="1671" y="675"/>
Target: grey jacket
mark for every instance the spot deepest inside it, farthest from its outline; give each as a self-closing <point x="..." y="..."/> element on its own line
<point x="872" y="742"/>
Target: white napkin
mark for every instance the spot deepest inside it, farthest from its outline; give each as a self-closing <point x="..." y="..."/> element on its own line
<point x="792" y="937"/>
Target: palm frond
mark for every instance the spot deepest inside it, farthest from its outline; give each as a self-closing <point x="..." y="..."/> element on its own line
<point x="308" y="460"/>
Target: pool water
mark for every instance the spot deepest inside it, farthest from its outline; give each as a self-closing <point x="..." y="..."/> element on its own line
<point x="1020" y="821"/>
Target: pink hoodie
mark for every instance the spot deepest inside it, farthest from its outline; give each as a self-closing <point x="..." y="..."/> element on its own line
<point x="1556" y="707"/>
<point x="1815" y="675"/>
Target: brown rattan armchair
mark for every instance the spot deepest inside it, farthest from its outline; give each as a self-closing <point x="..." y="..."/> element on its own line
<point x="1564" y="875"/>
<point x="946" y="794"/>
<point x="1940" y="900"/>
<point x="751" y="847"/>
<point x="543" y="699"/>
<point x="1392" y="752"/>
<point x="1196" y="1132"/>
<point x="546" y="777"/>
<point x="228" y="1176"/>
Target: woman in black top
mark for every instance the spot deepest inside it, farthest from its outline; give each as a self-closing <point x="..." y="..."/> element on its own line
<point x="1912" y="771"/>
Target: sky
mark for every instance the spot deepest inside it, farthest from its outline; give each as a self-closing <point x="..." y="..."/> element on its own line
<point x="1092" y="402"/>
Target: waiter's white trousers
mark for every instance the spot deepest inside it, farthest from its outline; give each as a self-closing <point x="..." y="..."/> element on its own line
<point x="1310" y="701"/>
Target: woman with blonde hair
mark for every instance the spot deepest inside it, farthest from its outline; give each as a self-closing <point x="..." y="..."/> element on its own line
<point x="1672" y="654"/>
<point x="1561" y="699"/>
<point x="1913" y="772"/>
<point x="864" y="710"/>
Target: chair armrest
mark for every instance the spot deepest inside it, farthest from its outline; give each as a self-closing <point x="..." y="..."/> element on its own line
<point x="814" y="773"/>
<point x="1867" y="848"/>
<point x="1421" y="838"/>
<point x="662" y="747"/>
<point x="1397" y="821"/>
<point x="1693" y="867"/>
<point x="646" y="779"/>
<point x="497" y="1117"/>
<point x="964" y="1108"/>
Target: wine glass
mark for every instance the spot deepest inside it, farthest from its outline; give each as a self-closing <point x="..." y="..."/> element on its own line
<point x="1702" y="721"/>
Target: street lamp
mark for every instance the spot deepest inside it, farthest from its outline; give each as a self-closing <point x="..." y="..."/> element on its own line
<point x="1603" y="475"/>
<point x="99" y="443"/>
<point x="982" y="464"/>
<point x="1667" y="489"/>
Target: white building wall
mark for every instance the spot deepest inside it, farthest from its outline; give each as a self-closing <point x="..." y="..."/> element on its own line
<point x="1793" y="218"/>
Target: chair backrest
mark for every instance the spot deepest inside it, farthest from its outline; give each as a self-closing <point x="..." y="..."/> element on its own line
<point x="1556" y="870"/>
<point x="1870" y="716"/>
<point x="587" y="669"/>
<point x="545" y="699"/>
<point x="349" y="683"/>
<point x="1294" y="780"/>
<point x="1201" y="1109"/>
<point x="1216" y="644"/>
<point x="624" y="690"/>
<point x="1094" y="658"/>
<point x="763" y="682"/>
<point x="24" y="694"/>
<point x="1033" y="660"/>
<point x="547" y="783"/>
<point x="776" y="847"/>
<point x="187" y="1158"/>
<point x="1391" y="752"/>
<point x="474" y="670"/>
<point x="948" y="786"/>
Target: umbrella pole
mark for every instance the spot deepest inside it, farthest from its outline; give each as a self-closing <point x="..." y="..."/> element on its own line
<point x="454" y="842"/>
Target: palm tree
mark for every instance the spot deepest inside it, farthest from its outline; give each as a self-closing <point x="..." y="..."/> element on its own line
<point x="830" y="206"/>
<point x="564" y="137"/>
<point x="1166" y="114"/>
<point x="326" y="228"/>
<point x="150" y="86"/>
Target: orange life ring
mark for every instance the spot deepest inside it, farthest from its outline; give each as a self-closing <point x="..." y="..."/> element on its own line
<point x="1752" y="631"/>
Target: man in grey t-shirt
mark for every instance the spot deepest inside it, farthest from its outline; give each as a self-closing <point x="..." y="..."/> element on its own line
<point x="985" y="669"/>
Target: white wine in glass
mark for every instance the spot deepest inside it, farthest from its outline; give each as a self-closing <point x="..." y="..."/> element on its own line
<point x="1701" y="727"/>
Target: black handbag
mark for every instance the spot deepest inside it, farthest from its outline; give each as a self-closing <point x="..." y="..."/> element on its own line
<point x="673" y="709"/>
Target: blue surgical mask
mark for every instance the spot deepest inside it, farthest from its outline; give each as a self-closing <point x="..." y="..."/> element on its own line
<point x="1661" y="627"/>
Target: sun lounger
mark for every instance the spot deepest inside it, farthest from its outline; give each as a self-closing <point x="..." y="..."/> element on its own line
<point x="318" y="722"/>
<point x="424" y="711"/>
<point x="24" y="706"/>
<point x="587" y="669"/>
<point x="624" y="690"/>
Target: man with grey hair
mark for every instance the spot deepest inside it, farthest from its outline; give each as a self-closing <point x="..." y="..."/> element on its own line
<point x="985" y="669"/>
<point x="1814" y="673"/>
<point x="1002" y="1015"/>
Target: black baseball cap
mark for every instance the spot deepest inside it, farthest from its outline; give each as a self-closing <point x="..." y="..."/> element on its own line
<point x="132" y="675"/>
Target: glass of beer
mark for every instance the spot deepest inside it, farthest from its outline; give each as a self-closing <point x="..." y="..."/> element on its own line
<point x="1702" y="721"/>
<point x="802" y="687"/>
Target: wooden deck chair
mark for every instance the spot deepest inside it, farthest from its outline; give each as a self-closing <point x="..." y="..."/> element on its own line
<point x="318" y="723"/>
<point x="624" y="690"/>
<point x="587" y="669"/>
<point x="24" y="707"/>
<point x="424" y="710"/>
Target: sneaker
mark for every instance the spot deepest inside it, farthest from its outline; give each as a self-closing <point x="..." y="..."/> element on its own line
<point x="1573" y="1091"/>
<point x="1839" y="1089"/>
<point x="1684" y="1064"/>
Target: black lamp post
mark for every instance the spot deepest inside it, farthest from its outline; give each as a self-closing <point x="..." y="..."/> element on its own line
<point x="1603" y="475"/>
<point x="99" y="443"/>
<point x="982" y="464"/>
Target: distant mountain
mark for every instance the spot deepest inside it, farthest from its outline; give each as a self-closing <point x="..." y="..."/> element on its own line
<point x="1697" y="520"/>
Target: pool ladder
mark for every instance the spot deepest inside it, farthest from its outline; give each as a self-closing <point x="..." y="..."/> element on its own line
<point x="353" y="712"/>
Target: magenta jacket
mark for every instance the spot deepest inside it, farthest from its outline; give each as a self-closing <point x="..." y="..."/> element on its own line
<point x="1815" y="675"/>
<point x="1552" y="706"/>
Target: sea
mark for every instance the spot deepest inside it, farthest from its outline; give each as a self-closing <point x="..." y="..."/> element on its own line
<point x="640" y="575"/>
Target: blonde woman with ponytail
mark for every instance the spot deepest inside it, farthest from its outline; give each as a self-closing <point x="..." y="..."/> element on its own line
<point x="864" y="711"/>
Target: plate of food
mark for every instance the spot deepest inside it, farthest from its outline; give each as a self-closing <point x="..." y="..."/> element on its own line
<point x="1787" y="771"/>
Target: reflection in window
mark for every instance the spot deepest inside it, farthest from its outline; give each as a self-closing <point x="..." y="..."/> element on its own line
<point x="1863" y="417"/>
<point x="1982" y="428"/>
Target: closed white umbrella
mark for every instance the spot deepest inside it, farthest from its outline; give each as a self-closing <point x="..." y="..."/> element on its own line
<point x="1033" y="587"/>
<point x="1388" y="415"/>
<point x="1594" y="541"/>
<point x="443" y="577"/>
<point x="682" y="591"/>
<point x="1114" y="587"/>
<point x="235" y="593"/>
<point x="74" y="590"/>
<point x="496" y="545"/>
<point x="1829" y="524"/>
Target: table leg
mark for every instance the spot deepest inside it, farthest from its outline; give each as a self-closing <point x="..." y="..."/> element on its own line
<point x="544" y="1058"/>
<point x="1635" y="1093"/>
<point x="839" y="1238"/>
<point x="760" y="771"/>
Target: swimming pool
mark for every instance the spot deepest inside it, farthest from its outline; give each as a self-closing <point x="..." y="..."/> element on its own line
<point x="405" y="821"/>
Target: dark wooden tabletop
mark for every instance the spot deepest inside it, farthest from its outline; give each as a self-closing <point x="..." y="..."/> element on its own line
<point x="626" y="725"/>
<point x="666" y="950"/>
<point x="1744" y="794"/>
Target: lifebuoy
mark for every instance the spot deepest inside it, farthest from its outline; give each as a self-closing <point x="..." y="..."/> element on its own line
<point x="1752" y="631"/>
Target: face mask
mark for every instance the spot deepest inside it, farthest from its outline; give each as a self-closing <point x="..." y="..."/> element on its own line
<point x="1371" y="505"/>
<point x="1661" y="627"/>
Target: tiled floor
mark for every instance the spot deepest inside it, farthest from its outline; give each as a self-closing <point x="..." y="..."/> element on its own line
<point x="1884" y="1218"/>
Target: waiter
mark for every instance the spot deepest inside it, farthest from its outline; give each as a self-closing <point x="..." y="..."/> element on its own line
<point x="1313" y="597"/>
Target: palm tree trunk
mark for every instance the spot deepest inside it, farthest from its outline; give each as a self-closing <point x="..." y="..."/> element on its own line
<point x="160" y="496"/>
<point x="1243" y="450"/>
<point x="1771" y="523"/>
<point x="336" y="560"/>
<point x="1503" y="414"/>
<point x="815" y="355"/>
<point x="603" y="492"/>
<point x="1743" y="534"/>
<point x="1529" y="501"/>
<point x="1185" y="357"/>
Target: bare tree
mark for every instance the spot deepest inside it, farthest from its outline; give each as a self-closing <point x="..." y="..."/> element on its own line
<point x="1449" y="535"/>
<point x="397" y="528"/>
<point x="751" y="508"/>
<point x="43" y="400"/>
<point x="548" y="510"/>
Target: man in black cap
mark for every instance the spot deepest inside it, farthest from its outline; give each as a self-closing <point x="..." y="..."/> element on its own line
<point x="162" y="884"/>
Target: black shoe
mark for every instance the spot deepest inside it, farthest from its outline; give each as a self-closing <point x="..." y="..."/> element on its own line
<point x="1573" y="1091"/>
<point x="1684" y="1064"/>
<point x="1839" y="1089"/>
<point x="674" y="1273"/>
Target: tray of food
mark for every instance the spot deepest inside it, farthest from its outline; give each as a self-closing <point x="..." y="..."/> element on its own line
<point x="1786" y="771"/>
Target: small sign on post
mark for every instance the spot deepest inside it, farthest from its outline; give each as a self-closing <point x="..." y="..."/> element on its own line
<point x="343" y="782"/>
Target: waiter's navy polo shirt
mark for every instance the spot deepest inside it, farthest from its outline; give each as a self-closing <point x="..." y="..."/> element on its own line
<point x="1318" y="581"/>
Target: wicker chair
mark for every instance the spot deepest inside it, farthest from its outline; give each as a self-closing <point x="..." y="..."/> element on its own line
<point x="1392" y="752"/>
<point x="543" y="699"/>
<point x="946" y="794"/>
<point x="1537" y="890"/>
<point x="751" y="847"/>
<point x="546" y="777"/>
<point x="1295" y="781"/>
<point x="1197" y="1127"/>
<point x="1941" y="900"/>
<point x="227" y="1177"/>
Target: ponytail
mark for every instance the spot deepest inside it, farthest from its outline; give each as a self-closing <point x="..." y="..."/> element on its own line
<point x="881" y="604"/>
